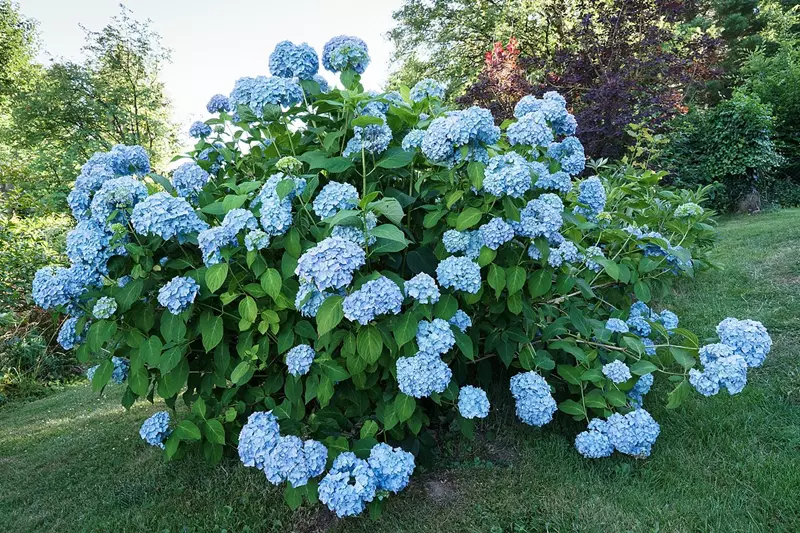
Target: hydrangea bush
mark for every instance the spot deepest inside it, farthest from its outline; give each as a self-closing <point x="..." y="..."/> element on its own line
<point x="332" y="274"/>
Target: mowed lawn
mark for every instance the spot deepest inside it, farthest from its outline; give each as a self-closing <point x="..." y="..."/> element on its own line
<point x="74" y="461"/>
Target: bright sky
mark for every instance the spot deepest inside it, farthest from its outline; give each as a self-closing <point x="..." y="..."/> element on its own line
<point x="216" y="42"/>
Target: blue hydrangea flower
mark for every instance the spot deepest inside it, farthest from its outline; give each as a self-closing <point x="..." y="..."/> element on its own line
<point x="649" y="346"/>
<point x="358" y="234"/>
<point x="527" y="104"/>
<point x="427" y="88"/>
<point x="105" y="307"/>
<point x="640" y="309"/>
<point x="288" y="461"/>
<point x="290" y="60"/>
<point x="422" y="375"/>
<point x="460" y="274"/>
<point x="473" y="402"/>
<point x="593" y="195"/>
<point x="276" y="215"/>
<point x="509" y="174"/>
<point x="535" y="405"/>
<point x="374" y="139"/>
<point x="257" y="438"/>
<point x="331" y="263"/>
<point x="118" y="194"/>
<point x="617" y="325"/>
<point x="639" y="326"/>
<point x="461" y="320"/>
<point x="344" y="52"/>
<point x="348" y="485"/>
<point x="189" y="179"/>
<point x="79" y="201"/>
<point x="435" y="337"/>
<point x="334" y="197"/>
<point x="722" y="368"/>
<point x="633" y="433"/>
<point x="309" y="299"/>
<point x="55" y="287"/>
<point x="219" y="103"/>
<point x="256" y="240"/>
<point x="262" y="90"/>
<point x="91" y="371"/>
<point x="594" y="443"/>
<point x="412" y="140"/>
<point x="422" y="288"/>
<point x="125" y="160"/>
<point x="541" y="217"/>
<point x="89" y="244"/>
<point x="617" y="371"/>
<point x="377" y="297"/>
<point x="593" y="251"/>
<point x="120" y="372"/>
<point x="495" y="233"/>
<point x="96" y="171"/>
<point x="211" y="241"/>
<point x="689" y="209"/>
<point x="455" y="241"/>
<point x="468" y="127"/>
<point x="199" y="129"/>
<point x="166" y="216"/>
<point x="124" y="280"/>
<point x="68" y="336"/>
<point x="530" y="130"/>
<point x="557" y="181"/>
<point x="299" y="359"/>
<point x="668" y="319"/>
<point x="324" y="87"/>
<point x="640" y="388"/>
<point x="566" y="252"/>
<point x="569" y="154"/>
<point x="534" y="252"/>
<point x="270" y="189"/>
<point x="178" y="294"/>
<point x="392" y="467"/>
<point x="155" y="430"/>
<point x="748" y="338"/>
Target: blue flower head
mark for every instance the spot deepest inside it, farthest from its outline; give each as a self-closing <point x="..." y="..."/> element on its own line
<point x="422" y="375"/>
<point x="219" y="103"/>
<point x="722" y="368"/>
<point x="290" y="60"/>
<point x="509" y="174"/>
<point x="373" y="139"/>
<point x="90" y="244"/>
<point x="473" y="402"/>
<point x="593" y="196"/>
<point x="617" y="371"/>
<point x="640" y="388"/>
<point x="633" y="433"/>
<point x="468" y="127"/>
<point x="256" y="240"/>
<point x="68" y="336"/>
<point x="668" y="319"/>
<point x="120" y="372"/>
<point x="427" y="88"/>
<point x="495" y="233"/>
<point x="358" y="234"/>
<point x="344" y="52"/>
<point x="377" y="297"/>
<point x="105" y="307"/>
<point x="348" y="485"/>
<point x="117" y="196"/>
<point x="639" y="326"/>
<point x="566" y="252"/>
<point x="334" y="197"/>
<point x="460" y="274"/>
<point x="324" y="87"/>
<point x="55" y="287"/>
<point x="461" y="320"/>
<point x="615" y="325"/>
<point x="125" y="160"/>
<point x="166" y="216"/>
<point x="530" y="130"/>
<point x="593" y="443"/>
<point x="569" y="154"/>
<point x="155" y="430"/>
<point x="299" y="359"/>
<point x="178" y="294"/>
<point x="541" y="217"/>
<point x="199" y="129"/>
<point x="293" y="460"/>
<point x="422" y="288"/>
<point x="534" y="402"/>
<point x="455" y="241"/>
<point x="412" y="140"/>
<point x="392" y="467"/>
<point x="79" y="201"/>
<point x="262" y="90"/>
<point x="331" y="263"/>
<point x="257" y="438"/>
<point x="748" y="338"/>
<point x="309" y="299"/>
<point x="593" y="252"/>
<point x="189" y="179"/>
<point x="435" y="337"/>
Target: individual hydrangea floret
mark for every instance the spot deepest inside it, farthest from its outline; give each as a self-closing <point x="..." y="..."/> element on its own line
<point x="257" y="438"/>
<point x="495" y="233"/>
<point x="461" y="320"/>
<point x="299" y="359"/>
<point x="348" y="486"/>
<point x="617" y="325"/>
<point x="105" y="307"/>
<point x="593" y="196"/>
<point x="392" y="467"/>
<point x="68" y="336"/>
<point x="569" y="154"/>
<point x="748" y="338"/>
<point x="334" y="197"/>
<point x="689" y="209"/>
<point x="344" y="52"/>
<point x="530" y="130"/>
<point x="377" y="297"/>
<point x="617" y="371"/>
<point x="422" y="288"/>
<point x="331" y="263"/>
<point x="218" y="103"/>
<point x="460" y="274"/>
<point x="166" y="216"/>
<point x="189" y="179"/>
<point x="455" y="241"/>
<point x="155" y="430"/>
<point x="507" y="174"/>
<point x="178" y="294"/>
<point x="427" y="88"/>
<point x="435" y="337"/>
<point x="412" y="140"/>
<point x="199" y="129"/>
<point x="535" y="404"/>
<point x="422" y="375"/>
<point x="473" y="402"/>
<point x="290" y="60"/>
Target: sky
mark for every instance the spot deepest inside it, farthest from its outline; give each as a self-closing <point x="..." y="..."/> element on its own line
<point x="216" y="42"/>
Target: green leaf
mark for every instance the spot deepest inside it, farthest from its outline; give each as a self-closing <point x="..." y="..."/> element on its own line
<point x="464" y="344"/>
<point x="616" y="398"/>
<point x="293" y="496"/>
<point x="570" y="374"/>
<point x="241" y="370"/>
<point x="139" y="380"/>
<point x="102" y="375"/>
<point x="395" y="158"/>
<point x="233" y="201"/>
<point x="404" y="406"/>
<point x="128" y="295"/>
<point x="496" y="279"/>
<point x="571" y="407"/>
<point x="595" y="399"/>
<point x="171" y="383"/>
<point x="170" y="359"/>
<point x="405" y="328"/>
<point x="642" y="367"/>
<point x="363" y="447"/>
<point x="678" y="394"/>
<point x="248" y="309"/>
<point x="642" y="291"/>
<point x="475" y="171"/>
<point x="271" y="283"/>
<point x="214" y="431"/>
<point x="187" y="430"/>
<point x="446" y="307"/>
<point x="367" y="120"/>
<point x="212" y="333"/>
<point x="515" y="279"/>
<point x="215" y="276"/>
<point x="330" y="314"/>
<point x="335" y="165"/>
<point x="540" y="282"/>
<point x="391" y="233"/>
<point x="292" y="243"/>
<point x="333" y="370"/>
<point x="173" y="328"/>
<point x="369" y="429"/>
<point x="388" y="207"/>
<point x="369" y="344"/>
<point x="683" y="357"/>
<point x="468" y="218"/>
<point x="150" y="351"/>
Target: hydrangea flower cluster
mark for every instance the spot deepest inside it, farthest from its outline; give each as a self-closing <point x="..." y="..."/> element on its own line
<point x="427" y="88"/>
<point x="422" y="375"/>
<point x="593" y="196"/>
<point x="309" y="299"/>
<point x="495" y="233"/>
<point x="348" y="485"/>
<point x="593" y="252"/>
<point x="535" y="404"/>
<point x="473" y="402"/>
<point x="631" y="434"/>
<point x="617" y="371"/>
<point x="553" y="107"/>
<point x="219" y="103"/>
<point x="373" y="139"/>
<point x="155" y="430"/>
<point x="689" y="209"/>
<point x="377" y="297"/>
<point x="616" y="325"/>
<point x="412" y="140"/>
<point x="105" y="307"/>
<point x="541" y="217"/>
<point x="470" y="127"/>
<point x="558" y="181"/>
<point x="422" y="288"/>
<point x="640" y="389"/>
<point x="199" y="129"/>
<point x="257" y="92"/>
<point x="392" y="467"/>
<point x="334" y="197"/>
<point x="435" y="337"/>
<point x="507" y="174"/>
<point x="569" y="154"/>
<point x="212" y="240"/>
<point x="178" y="294"/>
<point x="331" y="263"/>
<point x="117" y="195"/>
<point x="748" y="338"/>
<point x="189" y="179"/>
<point x="530" y="130"/>
<point x="68" y="336"/>
<point x="299" y="359"/>
<point x="166" y="216"/>
<point x="293" y="460"/>
<point x="290" y="60"/>
<point x="461" y="320"/>
<point x="566" y="252"/>
<point x="460" y="274"/>
<point x="345" y="52"/>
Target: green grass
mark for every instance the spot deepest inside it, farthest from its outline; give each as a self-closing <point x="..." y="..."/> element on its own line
<point x="74" y="462"/>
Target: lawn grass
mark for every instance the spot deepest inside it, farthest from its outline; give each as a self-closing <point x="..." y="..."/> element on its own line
<point x="74" y="462"/>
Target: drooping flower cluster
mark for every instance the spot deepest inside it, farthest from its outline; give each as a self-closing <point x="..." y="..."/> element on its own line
<point x="155" y="430"/>
<point x="189" y="179"/>
<point x="299" y="359"/>
<point x="104" y="308"/>
<point x="422" y="288"/>
<point x="377" y="297"/>
<point x="473" y="402"/>
<point x="392" y="467"/>
<point x="534" y="402"/>
<point x="631" y="434"/>
<point x="178" y="294"/>
<point x="748" y="338"/>
<point x="348" y="485"/>
<point x="593" y="196"/>
<point x="617" y="371"/>
<point x="508" y="174"/>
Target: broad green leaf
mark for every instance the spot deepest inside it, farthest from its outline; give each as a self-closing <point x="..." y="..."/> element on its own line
<point x="333" y="370"/>
<point x="642" y="367"/>
<point x="370" y="344"/>
<point x="678" y="394"/>
<point x="642" y="291"/>
<point x="102" y="375"/>
<point x="369" y="429"/>
<point x="571" y="407"/>
<point x="395" y="158"/>
<point x="187" y="430"/>
<point x="515" y="279"/>
<point x="215" y="276"/>
<point x="271" y="282"/>
<point x="540" y="282"/>
<point x="468" y="218"/>
<point x="405" y="328"/>
<point x="248" y="309"/>
<point x="212" y="333"/>
<point x="330" y="314"/>
<point x="404" y="406"/>
<point x="240" y="371"/>
<point x="464" y="344"/>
